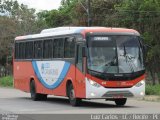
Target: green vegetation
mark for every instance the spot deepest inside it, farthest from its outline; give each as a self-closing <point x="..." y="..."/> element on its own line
<point x="152" y="93"/>
<point x="6" y="81"/>
<point x="152" y="89"/>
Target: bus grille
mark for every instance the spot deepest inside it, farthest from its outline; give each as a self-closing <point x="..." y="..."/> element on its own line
<point x="118" y="93"/>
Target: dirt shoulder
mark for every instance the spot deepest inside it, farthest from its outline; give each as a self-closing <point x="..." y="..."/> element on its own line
<point x="153" y="98"/>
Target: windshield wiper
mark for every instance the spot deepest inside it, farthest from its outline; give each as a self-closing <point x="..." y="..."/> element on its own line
<point x="128" y="58"/>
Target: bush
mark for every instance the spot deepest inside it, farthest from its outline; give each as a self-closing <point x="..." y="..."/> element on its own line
<point x="6" y="81"/>
<point x="152" y="89"/>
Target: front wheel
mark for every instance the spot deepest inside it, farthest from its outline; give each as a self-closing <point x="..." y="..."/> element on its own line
<point x="72" y="99"/>
<point x="121" y="101"/>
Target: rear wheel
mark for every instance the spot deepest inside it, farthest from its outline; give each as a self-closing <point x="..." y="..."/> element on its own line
<point x="72" y="99"/>
<point x="121" y="101"/>
<point x="36" y="96"/>
<point x="43" y="97"/>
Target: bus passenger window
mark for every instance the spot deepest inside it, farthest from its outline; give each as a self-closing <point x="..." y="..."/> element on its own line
<point x="69" y="47"/>
<point x="29" y="50"/>
<point x="38" y="46"/>
<point x="16" y="51"/>
<point x="22" y="50"/>
<point x="58" y="48"/>
<point x="47" y="49"/>
<point x="61" y="48"/>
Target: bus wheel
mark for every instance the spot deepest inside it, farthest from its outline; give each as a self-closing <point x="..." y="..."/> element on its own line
<point x="34" y="96"/>
<point x="73" y="101"/>
<point x="43" y="97"/>
<point x="121" y="101"/>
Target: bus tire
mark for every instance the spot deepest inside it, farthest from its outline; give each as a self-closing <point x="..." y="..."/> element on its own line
<point x="121" y="101"/>
<point x="34" y="96"/>
<point x="72" y="99"/>
<point x="43" y="97"/>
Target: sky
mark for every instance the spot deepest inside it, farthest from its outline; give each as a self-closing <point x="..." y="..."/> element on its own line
<point x="41" y="4"/>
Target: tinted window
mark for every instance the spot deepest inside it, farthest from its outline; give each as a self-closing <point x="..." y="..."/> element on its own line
<point x="29" y="50"/>
<point x="38" y="49"/>
<point x="61" y="48"/>
<point x="58" y="48"/>
<point x="22" y="50"/>
<point x="47" y="49"/>
<point x="69" y="47"/>
<point x="16" y="51"/>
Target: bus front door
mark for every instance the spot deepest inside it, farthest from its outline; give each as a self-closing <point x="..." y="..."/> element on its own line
<point x="80" y="72"/>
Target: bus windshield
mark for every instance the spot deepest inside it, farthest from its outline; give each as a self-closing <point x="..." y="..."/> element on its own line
<point x="115" y="54"/>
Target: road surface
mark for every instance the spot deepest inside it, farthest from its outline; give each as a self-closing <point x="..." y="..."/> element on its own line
<point x="18" y="102"/>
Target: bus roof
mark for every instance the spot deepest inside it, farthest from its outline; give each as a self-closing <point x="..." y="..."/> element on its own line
<point x="75" y="30"/>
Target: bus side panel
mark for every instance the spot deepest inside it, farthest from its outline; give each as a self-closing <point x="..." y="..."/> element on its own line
<point x="80" y="88"/>
<point x="24" y="71"/>
<point x="51" y="76"/>
<point x="61" y="89"/>
<point x="22" y="74"/>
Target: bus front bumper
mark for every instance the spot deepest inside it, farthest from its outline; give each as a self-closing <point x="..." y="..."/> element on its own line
<point x="96" y="91"/>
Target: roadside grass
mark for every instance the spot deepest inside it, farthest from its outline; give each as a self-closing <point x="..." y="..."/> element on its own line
<point x="6" y="81"/>
<point x="152" y="93"/>
<point x="153" y="89"/>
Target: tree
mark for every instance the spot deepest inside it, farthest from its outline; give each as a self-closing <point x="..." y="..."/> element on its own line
<point x="15" y="20"/>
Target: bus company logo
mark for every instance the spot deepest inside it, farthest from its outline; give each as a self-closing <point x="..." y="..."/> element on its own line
<point x="122" y="84"/>
<point x="47" y="70"/>
<point x="44" y="66"/>
<point x="119" y="84"/>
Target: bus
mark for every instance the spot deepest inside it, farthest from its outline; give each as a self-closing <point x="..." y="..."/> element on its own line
<point x="81" y="63"/>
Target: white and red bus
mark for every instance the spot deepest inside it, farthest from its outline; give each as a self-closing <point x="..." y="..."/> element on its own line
<point x="81" y="63"/>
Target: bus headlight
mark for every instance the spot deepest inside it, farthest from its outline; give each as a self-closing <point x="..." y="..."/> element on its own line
<point x="93" y="83"/>
<point x="140" y="83"/>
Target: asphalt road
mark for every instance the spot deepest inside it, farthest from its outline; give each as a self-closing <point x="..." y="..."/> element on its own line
<point x="17" y="102"/>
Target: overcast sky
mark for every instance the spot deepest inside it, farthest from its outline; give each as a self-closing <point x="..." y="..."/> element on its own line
<point x="41" y="4"/>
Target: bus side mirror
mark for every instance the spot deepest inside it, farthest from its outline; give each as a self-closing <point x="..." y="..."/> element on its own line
<point x="84" y="52"/>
